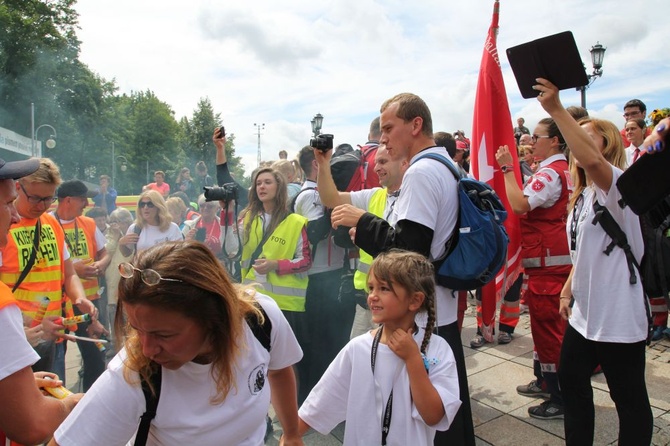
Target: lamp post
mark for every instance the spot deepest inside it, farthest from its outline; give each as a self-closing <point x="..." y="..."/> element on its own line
<point x="259" y="127"/>
<point x="317" y="122"/>
<point x="50" y="143"/>
<point x="124" y="165"/>
<point x="597" y="56"/>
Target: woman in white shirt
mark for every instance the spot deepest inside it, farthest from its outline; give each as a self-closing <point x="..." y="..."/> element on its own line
<point x="153" y="224"/>
<point x="190" y="335"/>
<point x="606" y="311"/>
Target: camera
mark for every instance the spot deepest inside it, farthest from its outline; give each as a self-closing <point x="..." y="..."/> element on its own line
<point x="227" y="192"/>
<point x="222" y="132"/>
<point x="323" y="142"/>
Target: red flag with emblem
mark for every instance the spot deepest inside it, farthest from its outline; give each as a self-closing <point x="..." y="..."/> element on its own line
<point x="492" y="127"/>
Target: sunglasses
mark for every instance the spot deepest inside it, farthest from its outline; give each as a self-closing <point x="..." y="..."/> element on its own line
<point x="147" y="204"/>
<point x="148" y="276"/>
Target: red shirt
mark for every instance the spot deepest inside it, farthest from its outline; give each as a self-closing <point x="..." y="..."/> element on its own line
<point x="163" y="189"/>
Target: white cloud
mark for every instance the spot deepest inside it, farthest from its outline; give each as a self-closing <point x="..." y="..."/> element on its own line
<point x="279" y="63"/>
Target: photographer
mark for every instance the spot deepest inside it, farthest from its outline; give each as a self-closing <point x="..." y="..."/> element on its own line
<point x="223" y="175"/>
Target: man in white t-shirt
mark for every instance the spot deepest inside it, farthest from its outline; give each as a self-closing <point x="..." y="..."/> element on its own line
<point x="26" y="415"/>
<point x="426" y="211"/>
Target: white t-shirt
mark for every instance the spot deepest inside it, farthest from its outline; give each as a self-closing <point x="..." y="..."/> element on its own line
<point x="326" y="258"/>
<point x="361" y="200"/>
<point x="109" y="412"/>
<point x="15" y="351"/>
<point x="429" y="196"/>
<point x="152" y="235"/>
<point x="544" y="187"/>
<point x="607" y="307"/>
<point x="349" y="391"/>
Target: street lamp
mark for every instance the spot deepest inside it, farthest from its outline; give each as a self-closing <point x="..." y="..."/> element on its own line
<point x="317" y="122"/>
<point x="51" y="142"/>
<point x="597" y="56"/>
<point x="259" y="127"/>
<point x="124" y="164"/>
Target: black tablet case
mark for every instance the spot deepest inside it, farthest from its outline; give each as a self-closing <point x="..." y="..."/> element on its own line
<point x="646" y="183"/>
<point x="554" y="58"/>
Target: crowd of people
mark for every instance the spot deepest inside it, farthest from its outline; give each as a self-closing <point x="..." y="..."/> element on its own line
<point x="196" y="313"/>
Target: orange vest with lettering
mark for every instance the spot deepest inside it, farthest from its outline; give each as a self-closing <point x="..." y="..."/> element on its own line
<point x="80" y="239"/>
<point x="46" y="277"/>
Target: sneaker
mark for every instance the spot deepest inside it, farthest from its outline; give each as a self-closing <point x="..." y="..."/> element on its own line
<point x="504" y="337"/>
<point x="478" y="341"/>
<point x="547" y="411"/>
<point x="657" y="335"/>
<point x="532" y="390"/>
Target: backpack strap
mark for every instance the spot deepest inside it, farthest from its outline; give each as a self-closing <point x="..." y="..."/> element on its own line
<point x="151" y="405"/>
<point x="614" y="231"/>
<point x="263" y="331"/>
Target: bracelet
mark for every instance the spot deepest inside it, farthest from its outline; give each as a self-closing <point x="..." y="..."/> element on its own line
<point x="507" y="168"/>
<point x="565" y="297"/>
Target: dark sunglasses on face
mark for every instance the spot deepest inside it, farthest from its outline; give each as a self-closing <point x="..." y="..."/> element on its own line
<point x="147" y="204"/>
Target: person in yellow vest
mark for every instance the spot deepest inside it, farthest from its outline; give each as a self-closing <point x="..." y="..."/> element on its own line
<point x="379" y="201"/>
<point x="26" y="416"/>
<point x="36" y="262"/>
<point x="89" y="257"/>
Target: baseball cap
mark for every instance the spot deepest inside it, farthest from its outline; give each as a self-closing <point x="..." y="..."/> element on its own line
<point x="75" y="188"/>
<point x="461" y="145"/>
<point x="13" y="170"/>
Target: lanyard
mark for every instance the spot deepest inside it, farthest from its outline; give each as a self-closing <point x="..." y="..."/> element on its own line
<point x="575" y="217"/>
<point x="386" y="419"/>
<point x="76" y="234"/>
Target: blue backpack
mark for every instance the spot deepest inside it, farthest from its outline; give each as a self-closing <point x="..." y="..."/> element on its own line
<point x="477" y="249"/>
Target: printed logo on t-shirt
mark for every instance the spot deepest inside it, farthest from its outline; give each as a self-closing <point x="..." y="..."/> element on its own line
<point x="537" y="185"/>
<point x="256" y="380"/>
<point x="544" y="175"/>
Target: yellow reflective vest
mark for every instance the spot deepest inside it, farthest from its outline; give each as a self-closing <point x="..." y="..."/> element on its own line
<point x="376" y="206"/>
<point x="288" y="290"/>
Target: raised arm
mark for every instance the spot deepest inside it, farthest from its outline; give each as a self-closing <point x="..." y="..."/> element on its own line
<point x="330" y="196"/>
<point x="582" y="147"/>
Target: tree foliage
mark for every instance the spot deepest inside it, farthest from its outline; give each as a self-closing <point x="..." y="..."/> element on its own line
<point x="98" y="129"/>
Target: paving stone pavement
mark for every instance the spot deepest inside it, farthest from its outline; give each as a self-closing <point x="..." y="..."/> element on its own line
<point x="499" y="414"/>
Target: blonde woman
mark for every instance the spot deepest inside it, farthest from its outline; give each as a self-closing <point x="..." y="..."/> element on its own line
<point x="153" y="224"/>
<point x="177" y="210"/>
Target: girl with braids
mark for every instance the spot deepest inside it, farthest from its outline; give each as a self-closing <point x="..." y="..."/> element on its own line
<point x="396" y="384"/>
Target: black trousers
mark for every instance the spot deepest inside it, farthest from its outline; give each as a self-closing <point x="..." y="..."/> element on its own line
<point x="461" y="431"/>
<point x="623" y="366"/>
<point x="94" y="359"/>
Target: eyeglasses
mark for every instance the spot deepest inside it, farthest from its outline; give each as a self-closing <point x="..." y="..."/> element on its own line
<point x="149" y="276"/>
<point x="632" y="114"/>
<point x="534" y="137"/>
<point x="34" y="199"/>
<point x="147" y="204"/>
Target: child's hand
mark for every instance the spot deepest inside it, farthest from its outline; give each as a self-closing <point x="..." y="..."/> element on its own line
<point x="402" y="344"/>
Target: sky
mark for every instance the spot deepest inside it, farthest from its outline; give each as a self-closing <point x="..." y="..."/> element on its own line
<point x="278" y="63"/>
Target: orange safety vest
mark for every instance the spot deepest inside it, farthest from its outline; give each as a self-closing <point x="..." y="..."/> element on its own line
<point x="80" y="239"/>
<point x="47" y="276"/>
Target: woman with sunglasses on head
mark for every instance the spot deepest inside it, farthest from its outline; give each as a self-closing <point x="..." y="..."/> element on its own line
<point x="153" y="224"/>
<point x="604" y="304"/>
<point x="189" y="324"/>
<point x="542" y="204"/>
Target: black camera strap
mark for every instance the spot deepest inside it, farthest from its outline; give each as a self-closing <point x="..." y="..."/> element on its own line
<point x="388" y="410"/>
<point x="33" y="255"/>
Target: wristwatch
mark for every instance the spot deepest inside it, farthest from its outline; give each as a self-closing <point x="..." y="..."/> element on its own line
<point x="507" y="168"/>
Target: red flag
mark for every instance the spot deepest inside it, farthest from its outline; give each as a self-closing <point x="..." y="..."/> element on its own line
<point x="492" y="127"/>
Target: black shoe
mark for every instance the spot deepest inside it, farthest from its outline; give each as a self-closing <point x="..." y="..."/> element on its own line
<point x="547" y="411"/>
<point x="533" y="390"/>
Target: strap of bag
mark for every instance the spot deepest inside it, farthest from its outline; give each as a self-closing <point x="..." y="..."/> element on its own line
<point x="614" y="231"/>
<point x="152" y="404"/>
<point x="33" y="256"/>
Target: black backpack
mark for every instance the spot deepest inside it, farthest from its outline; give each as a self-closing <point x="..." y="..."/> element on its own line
<point x="262" y="333"/>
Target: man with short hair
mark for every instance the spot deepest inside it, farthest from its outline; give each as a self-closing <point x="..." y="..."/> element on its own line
<point x="26" y="416"/>
<point x="89" y="257"/>
<point x="520" y="130"/>
<point x="633" y="109"/>
<point x="202" y="178"/>
<point x="159" y="184"/>
<point x="37" y="264"/>
<point x="106" y="198"/>
<point x="427" y="211"/>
